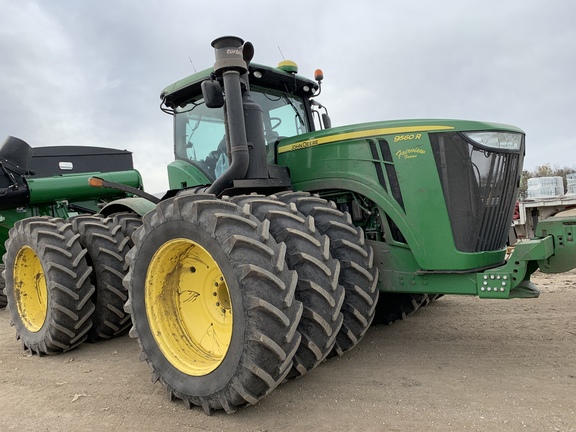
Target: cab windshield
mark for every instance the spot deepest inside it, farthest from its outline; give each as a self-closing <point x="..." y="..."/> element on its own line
<point x="200" y="132"/>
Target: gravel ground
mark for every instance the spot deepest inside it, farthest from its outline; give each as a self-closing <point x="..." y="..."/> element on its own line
<point x="458" y="364"/>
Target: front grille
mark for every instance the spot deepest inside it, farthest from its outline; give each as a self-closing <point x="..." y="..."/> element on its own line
<point x="480" y="188"/>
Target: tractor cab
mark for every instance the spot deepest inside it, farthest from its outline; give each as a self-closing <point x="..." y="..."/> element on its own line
<point x="200" y="150"/>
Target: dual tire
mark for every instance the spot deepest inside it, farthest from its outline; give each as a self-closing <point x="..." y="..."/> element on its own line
<point x="358" y="275"/>
<point x="318" y="288"/>
<point x="66" y="281"/>
<point x="218" y="309"/>
<point x="212" y="302"/>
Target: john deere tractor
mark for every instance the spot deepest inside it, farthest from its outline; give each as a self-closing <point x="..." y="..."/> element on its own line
<point x="283" y="238"/>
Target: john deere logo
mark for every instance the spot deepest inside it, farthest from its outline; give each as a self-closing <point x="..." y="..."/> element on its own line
<point x="305" y="144"/>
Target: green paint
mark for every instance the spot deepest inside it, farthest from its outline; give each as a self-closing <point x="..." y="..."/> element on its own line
<point x="65" y="196"/>
<point x="182" y="174"/>
<point x="400" y="181"/>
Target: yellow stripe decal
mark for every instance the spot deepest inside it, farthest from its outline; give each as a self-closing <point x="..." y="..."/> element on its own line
<point x="358" y="134"/>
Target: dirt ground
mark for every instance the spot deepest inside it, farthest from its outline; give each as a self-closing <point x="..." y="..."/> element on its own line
<point x="459" y="364"/>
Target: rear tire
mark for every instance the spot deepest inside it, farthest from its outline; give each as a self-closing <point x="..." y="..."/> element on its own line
<point x="308" y="253"/>
<point x="48" y="285"/>
<point x="107" y="248"/>
<point x="128" y="223"/>
<point x="394" y="307"/>
<point x="357" y="273"/>
<point x="212" y="303"/>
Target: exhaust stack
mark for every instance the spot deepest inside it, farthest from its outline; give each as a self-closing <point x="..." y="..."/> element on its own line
<point x="245" y="142"/>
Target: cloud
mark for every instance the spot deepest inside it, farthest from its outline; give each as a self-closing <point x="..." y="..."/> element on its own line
<point x="91" y="73"/>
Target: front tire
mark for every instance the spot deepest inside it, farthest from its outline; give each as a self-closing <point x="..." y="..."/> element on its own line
<point x="307" y="252"/>
<point x="357" y="273"/>
<point x="212" y="303"/>
<point x="48" y="285"/>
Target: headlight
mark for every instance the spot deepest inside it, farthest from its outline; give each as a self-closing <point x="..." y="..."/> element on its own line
<point x="497" y="140"/>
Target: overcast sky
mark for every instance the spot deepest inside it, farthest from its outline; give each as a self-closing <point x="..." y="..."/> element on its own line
<point x="91" y="72"/>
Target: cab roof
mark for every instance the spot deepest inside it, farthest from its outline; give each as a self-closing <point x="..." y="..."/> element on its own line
<point x="180" y="92"/>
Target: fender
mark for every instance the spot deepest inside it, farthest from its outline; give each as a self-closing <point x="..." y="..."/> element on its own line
<point x="138" y="205"/>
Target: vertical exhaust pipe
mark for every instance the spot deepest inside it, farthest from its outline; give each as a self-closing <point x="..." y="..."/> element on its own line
<point x="232" y="57"/>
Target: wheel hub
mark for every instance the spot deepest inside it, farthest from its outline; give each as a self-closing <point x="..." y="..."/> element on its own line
<point x="188" y="306"/>
<point x="30" y="291"/>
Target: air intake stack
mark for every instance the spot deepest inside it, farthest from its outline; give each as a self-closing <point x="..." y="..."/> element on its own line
<point x="245" y="142"/>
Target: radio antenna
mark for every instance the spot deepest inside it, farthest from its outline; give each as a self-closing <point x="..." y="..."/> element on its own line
<point x="192" y="63"/>
<point x="281" y="53"/>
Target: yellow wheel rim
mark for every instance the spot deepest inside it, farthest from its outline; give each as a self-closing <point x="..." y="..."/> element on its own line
<point x="30" y="290"/>
<point x="188" y="307"/>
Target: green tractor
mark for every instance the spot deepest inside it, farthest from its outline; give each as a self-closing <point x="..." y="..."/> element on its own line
<point x="282" y="238"/>
<point x="45" y="200"/>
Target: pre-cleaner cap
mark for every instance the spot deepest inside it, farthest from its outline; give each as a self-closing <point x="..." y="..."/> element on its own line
<point x="229" y="55"/>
